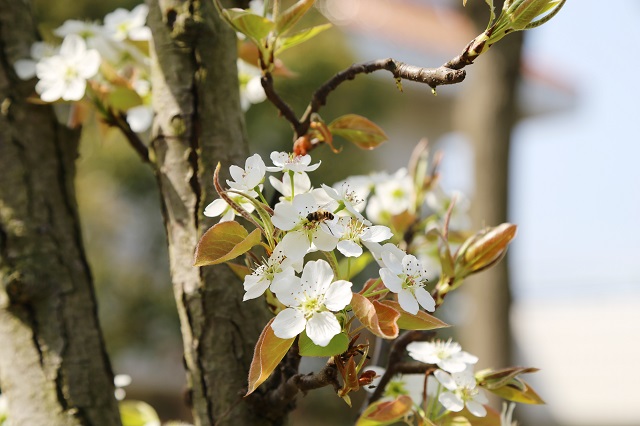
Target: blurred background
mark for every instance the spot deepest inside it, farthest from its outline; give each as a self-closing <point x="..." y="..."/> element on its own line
<point x="573" y="189"/>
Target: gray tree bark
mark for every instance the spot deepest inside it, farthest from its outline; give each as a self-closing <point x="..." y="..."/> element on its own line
<point x="53" y="365"/>
<point x="487" y="112"/>
<point x="198" y="124"/>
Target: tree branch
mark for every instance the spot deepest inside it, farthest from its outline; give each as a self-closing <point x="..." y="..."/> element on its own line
<point x="395" y="364"/>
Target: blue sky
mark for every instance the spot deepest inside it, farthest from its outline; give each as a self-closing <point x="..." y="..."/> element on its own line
<point x="576" y="175"/>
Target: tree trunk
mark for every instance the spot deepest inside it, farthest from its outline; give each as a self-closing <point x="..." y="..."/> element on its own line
<point x="198" y="124"/>
<point x="53" y="365"/>
<point x="487" y="113"/>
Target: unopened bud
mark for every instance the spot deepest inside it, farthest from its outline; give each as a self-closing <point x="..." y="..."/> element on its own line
<point x="484" y="249"/>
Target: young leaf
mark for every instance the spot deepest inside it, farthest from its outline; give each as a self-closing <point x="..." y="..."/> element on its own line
<point x="349" y="373"/>
<point x="240" y="271"/>
<point x="285" y="43"/>
<point x="292" y="15"/>
<point x="224" y="241"/>
<point x="382" y="413"/>
<point x="337" y="345"/>
<point x="522" y="392"/>
<point x="253" y="26"/>
<point x="137" y="413"/>
<point x="378" y="318"/>
<point x="121" y="99"/>
<point x="420" y="321"/>
<point x="359" y="130"/>
<point x="465" y="418"/>
<point x="268" y="353"/>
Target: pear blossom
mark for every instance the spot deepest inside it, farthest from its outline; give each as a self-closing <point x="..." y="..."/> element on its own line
<point x="406" y="277"/>
<point x="307" y="232"/>
<point x="251" y="90"/>
<point x="506" y="416"/>
<point x="357" y="232"/>
<point x="411" y="385"/>
<point x="439" y="201"/>
<point x="122" y="24"/>
<point x="311" y="301"/>
<point x="347" y="199"/>
<point x="301" y="184"/>
<point x="250" y="177"/>
<point x="275" y="270"/>
<point x="120" y="381"/>
<point x="4" y="408"/>
<point x="393" y="195"/>
<point x="283" y="161"/>
<point x="94" y="35"/>
<point x="140" y="118"/>
<point x="64" y="76"/>
<point x="220" y="207"/>
<point x="448" y="355"/>
<point x="26" y="68"/>
<point x="461" y="391"/>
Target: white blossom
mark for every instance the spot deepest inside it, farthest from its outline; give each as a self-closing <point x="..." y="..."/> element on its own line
<point x="64" y="76"/>
<point x="448" y="355"/>
<point x="140" y="118"/>
<point x="94" y="35"/>
<point x="120" y="381"/>
<point x="250" y="177"/>
<point x="347" y="198"/>
<point x="310" y="226"/>
<point x="219" y="207"/>
<point x="122" y="24"/>
<point x="461" y="391"/>
<point x="301" y="184"/>
<point x="26" y="68"/>
<point x="283" y="161"/>
<point x="356" y="233"/>
<point x="406" y="277"/>
<point x="393" y="195"/>
<point x="251" y="90"/>
<point x="411" y="385"/>
<point x="275" y="270"/>
<point x="439" y="202"/>
<point x="311" y="302"/>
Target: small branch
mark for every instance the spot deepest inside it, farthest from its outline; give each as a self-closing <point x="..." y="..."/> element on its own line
<point x="433" y="77"/>
<point x="119" y="120"/>
<point x="278" y="102"/>
<point x="395" y="364"/>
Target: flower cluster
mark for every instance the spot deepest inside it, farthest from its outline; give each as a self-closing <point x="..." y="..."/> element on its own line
<point x="453" y="384"/>
<point x="109" y="64"/>
<point x="315" y="219"/>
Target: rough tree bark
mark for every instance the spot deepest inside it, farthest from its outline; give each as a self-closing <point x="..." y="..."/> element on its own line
<point x="198" y="124"/>
<point x="53" y="365"/>
<point x="487" y="123"/>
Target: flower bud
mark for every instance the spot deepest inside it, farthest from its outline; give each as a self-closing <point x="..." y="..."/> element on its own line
<point x="484" y="249"/>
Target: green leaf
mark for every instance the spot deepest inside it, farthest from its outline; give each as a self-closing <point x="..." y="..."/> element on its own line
<point x="224" y="241"/>
<point x="137" y="413"/>
<point x="420" y="321"/>
<point x="292" y="15"/>
<point x="337" y="345"/>
<point x="354" y="265"/>
<point x="122" y="98"/>
<point x="382" y="413"/>
<point x="285" y="43"/>
<point x="358" y="130"/>
<point x="268" y="353"/>
<point x="522" y="392"/>
<point x="378" y="318"/>
<point x="253" y="26"/>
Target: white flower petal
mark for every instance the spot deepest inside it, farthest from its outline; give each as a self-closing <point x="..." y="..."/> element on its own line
<point x="321" y="328"/>
<point x="349" y="248"/>
<point x="215" y="208"/>
<point x="324" y="240"/>
<point x="254" y="286"/>
<point x="75" y="89"/>
<point x="338" y="295"/>
<point x="476" y="408"/>
<point x="424" y="299"/>
<point x="140" y="118"/>
<point x="285" y="216"/>
<point x="445" y="379"/>
<point x="50" y="91"/>
<point x="25" y="68"/>
<point x="295" y="245"/>
<point x="391" y="280"/>
<point x="288" y="323"/>
<point x="408" y="302"/>
<point x="411" y="265"/>
<point x="287" y="290"/>
<point x="376" y="233"/>
<point x="316" y="277"/>
<point x="451" y="401"/>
